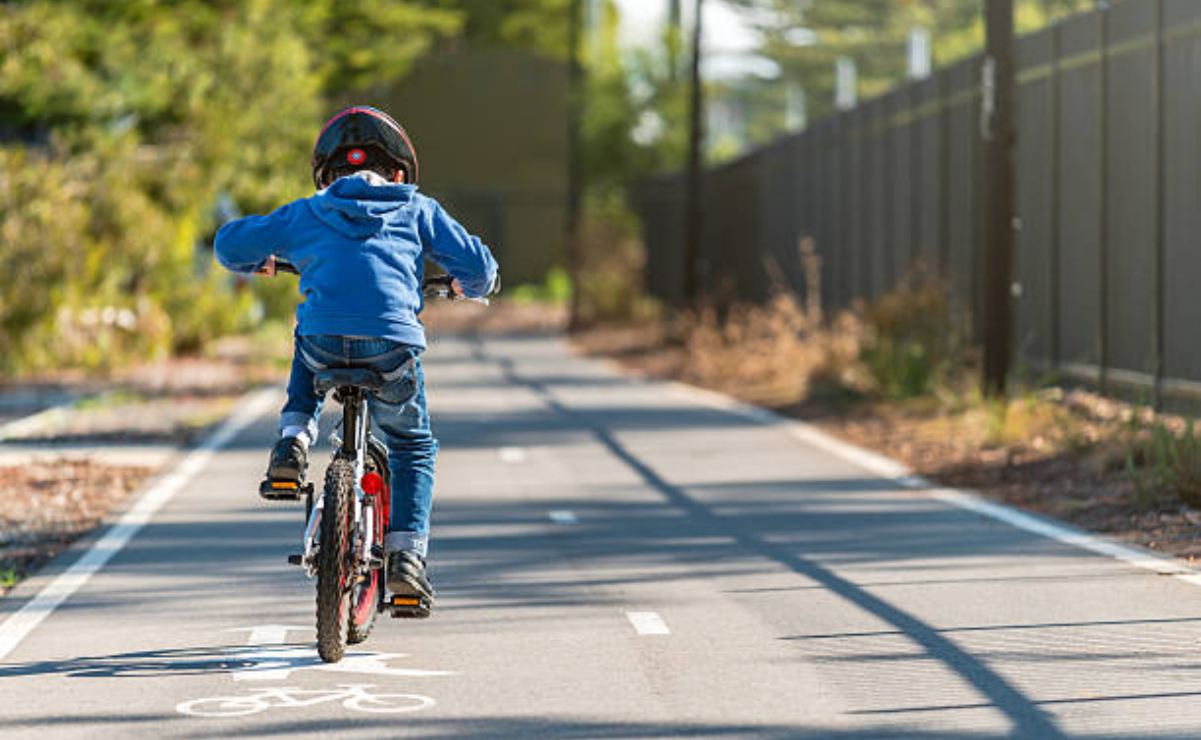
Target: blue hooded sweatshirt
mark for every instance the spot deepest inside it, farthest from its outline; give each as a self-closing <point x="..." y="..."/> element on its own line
<point x="361" y="246"/>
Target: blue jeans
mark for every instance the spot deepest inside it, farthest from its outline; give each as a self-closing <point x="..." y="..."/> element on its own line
<point x="399" y="411"/>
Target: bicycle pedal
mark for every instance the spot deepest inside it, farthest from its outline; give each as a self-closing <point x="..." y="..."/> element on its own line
<point x="409" y="607"/>
<point x="283" y="490"/>
<point x="296" y="560"/>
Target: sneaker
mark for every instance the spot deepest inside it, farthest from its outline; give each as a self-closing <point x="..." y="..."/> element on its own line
<point x="406" y="576"/>
<point x="289" y="461"/>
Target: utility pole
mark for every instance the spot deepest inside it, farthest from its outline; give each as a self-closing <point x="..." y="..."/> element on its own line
<point x="575" y="164"/>
<point x="998" y="135"/>
<point x="674" y="24"/>
<point x="693" y="202"/>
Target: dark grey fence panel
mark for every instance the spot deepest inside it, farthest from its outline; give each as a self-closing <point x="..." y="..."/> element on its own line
<point x="1182" y="189"/>
<point x="661" y="208"/>
<point x="928" y="125"/>
<point x="1131" y="204"/>
<point x="857" y="253"/>
<point x="963" y="130"/>
<point x="898" y="140"/>
<point x="1035" y="166"/>
<point x="876" y="172"/>
<point x="1080" y="214"/>
<point x="1109" y="194"/>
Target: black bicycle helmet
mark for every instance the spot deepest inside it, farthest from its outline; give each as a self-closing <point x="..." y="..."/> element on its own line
<point x="357" y="137"/>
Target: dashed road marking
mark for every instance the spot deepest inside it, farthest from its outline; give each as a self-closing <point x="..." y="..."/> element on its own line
<point x="648" y="623"/>
<point x="512" y="454"/>
<point x="563" y="516"/>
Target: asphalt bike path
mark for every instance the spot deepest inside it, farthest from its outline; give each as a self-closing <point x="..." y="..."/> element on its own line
<point x="615" y="558"/>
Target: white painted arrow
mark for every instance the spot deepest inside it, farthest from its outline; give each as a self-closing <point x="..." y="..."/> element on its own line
<point x="267" y="658"/>
<point x="270" y="663"/>
<point x="268" y="634"/>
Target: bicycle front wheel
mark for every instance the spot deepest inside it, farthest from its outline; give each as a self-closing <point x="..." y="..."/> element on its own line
<point x="334" y="569"/>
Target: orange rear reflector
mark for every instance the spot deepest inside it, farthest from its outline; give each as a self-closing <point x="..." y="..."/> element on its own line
<point x="405" y="601"/>
<point x="284" y="484"/>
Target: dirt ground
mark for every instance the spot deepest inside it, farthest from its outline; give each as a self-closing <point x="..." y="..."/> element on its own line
<point x="47" y="505"/>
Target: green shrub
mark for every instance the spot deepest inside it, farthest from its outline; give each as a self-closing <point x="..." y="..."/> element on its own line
<point x="911" y="344"/>
<point x="1162" y="461"/>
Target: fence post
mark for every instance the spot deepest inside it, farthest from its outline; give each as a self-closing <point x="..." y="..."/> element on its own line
<point x="865" y="200"/>
<point x="917" y="192"/>
<point x="849" y="246"/>
<point x="890" y="244"/>
<point x="1056" y="199"/>
<point x="1160" y="202"/>
<point x="1103" y="184"/>
<point x="694" y="207"/>
<point x="998" y="134"/>
<point x="944" y="166"/>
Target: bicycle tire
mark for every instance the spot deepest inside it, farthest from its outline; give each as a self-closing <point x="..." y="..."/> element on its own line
<point x="333" y="562"/>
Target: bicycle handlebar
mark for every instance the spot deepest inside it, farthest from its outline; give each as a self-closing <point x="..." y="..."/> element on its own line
<point x="439" y="286"/>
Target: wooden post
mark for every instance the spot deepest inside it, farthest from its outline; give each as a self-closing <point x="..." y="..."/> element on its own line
<point x="998" y="133"/>
<point x="693" y="196"/>
<point x="575" y="164"/>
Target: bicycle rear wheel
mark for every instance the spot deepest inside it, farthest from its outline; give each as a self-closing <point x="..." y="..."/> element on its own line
<point x="334" y="569"/>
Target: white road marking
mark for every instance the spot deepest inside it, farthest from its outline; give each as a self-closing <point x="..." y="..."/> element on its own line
<point x="512" y="454"/>
<point x="18" y="626"/>
<point x="888" y="468"/>
<point x="35" y="422"/>
<point x="353" y="697"/>
<point x="648" y="623"/>
<point x="276" y="663"/>
<point x="268" y="634"/>
<point x="563" y="516"/>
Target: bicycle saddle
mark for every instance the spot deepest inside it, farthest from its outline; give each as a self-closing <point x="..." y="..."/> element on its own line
<point x="357" y="377"/>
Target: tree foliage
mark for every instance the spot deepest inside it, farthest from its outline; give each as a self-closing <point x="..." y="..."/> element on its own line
<point x="123" y="124"/>
<point x="806" y="37"/>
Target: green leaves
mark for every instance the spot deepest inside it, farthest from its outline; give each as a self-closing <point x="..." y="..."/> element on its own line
<point x="120" y="125"/>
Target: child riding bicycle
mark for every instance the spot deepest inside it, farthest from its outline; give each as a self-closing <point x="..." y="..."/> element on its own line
<point x="360" y="244"/>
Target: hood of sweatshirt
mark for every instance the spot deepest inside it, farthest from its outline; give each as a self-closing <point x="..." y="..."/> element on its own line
<point x="359" y="205"/>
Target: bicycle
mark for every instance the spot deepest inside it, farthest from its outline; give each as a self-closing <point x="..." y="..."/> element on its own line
<point x="343" y="545"/>
<point x="353" y="696"/>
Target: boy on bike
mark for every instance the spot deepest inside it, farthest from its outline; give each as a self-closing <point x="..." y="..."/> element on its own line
<point x="360" y="244"/>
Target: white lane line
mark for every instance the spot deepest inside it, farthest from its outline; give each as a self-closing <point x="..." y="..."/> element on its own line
<point x="512" y="454"/>
<point x="35" y="422"/>
<point x="648" y="623"/>
<point x="891" y="469"/>
<point x="18" y="626"/>
<point x="563" y="516"/>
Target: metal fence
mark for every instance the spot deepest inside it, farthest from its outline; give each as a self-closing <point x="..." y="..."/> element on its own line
<point x="1109" y="196"/>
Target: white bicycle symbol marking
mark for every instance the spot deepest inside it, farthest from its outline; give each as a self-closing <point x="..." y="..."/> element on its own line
<point x="352" y="696"/>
